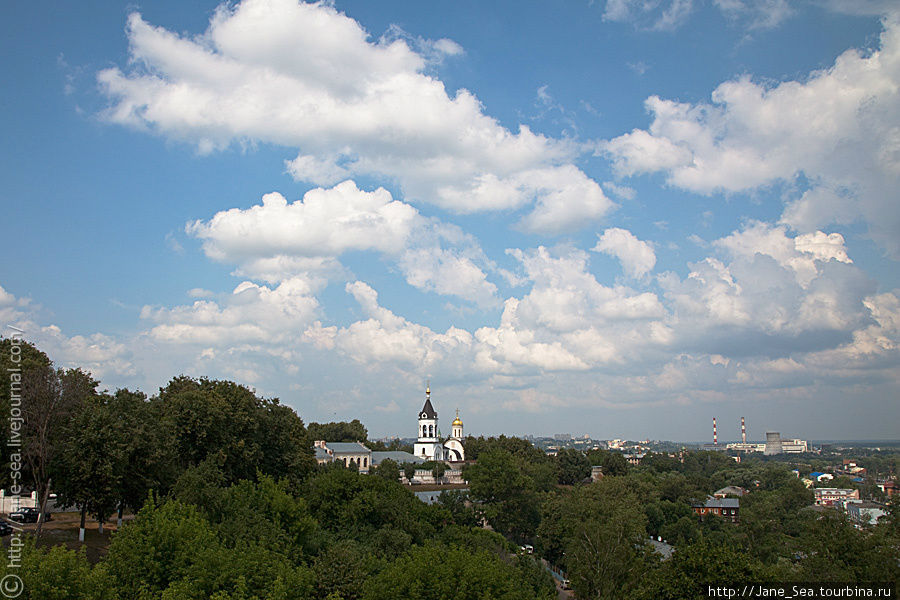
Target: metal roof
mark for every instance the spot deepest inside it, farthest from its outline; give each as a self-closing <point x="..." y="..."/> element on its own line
<point x="720" y="503"/>
<point x="397" y="456"/>
<point x="347" y="448"/>
<point x="428" y="411"/>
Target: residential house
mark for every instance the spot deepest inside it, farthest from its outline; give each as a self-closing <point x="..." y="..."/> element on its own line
<point x="727" y="508"/>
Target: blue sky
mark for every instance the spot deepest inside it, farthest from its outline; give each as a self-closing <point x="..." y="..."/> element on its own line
<point x="619" y="218"/>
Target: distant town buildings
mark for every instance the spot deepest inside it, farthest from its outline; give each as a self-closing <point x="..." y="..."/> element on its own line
<point x="773" y="445"/>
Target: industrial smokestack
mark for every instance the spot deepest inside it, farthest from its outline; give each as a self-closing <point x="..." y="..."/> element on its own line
<point x="743" y="432"/>
<point x="715" y="433"/>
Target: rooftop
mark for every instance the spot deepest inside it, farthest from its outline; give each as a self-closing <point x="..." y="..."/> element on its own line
<point x="397" y="456"/>
<point x="347" y="448"/>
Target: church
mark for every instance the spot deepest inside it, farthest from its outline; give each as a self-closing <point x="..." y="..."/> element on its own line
<point x="429" y="445"/>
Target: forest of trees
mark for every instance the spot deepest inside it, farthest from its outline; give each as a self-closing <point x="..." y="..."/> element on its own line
<point x="228" y="503"/>
<point x="597" y="533"/>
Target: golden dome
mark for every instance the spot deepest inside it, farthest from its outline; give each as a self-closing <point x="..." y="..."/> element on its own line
<point x="457" y="420"/>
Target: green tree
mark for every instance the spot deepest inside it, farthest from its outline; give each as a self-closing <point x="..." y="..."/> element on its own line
<point x="50" y="398"/>
<point x="438" y="469"/>
<point x="409" y="471"/>
<point x="209" y="417"/>
<point x="614" y="463"/>
<point x="572" y="466"/>
<point x="606" y="537"/>
<point x="285" y="443"/>
<point x="388" y="469"/>
<point x="56" y="573"/>
<point x="342" y="569"/>
<point x="555" y="528"/>
<point x="265" y="512"/>
<point x="91" y="463"/>
<point x="505" y="493"/>
<point x="149" y="462"/>
<point x="18" y="358"/>
<point x="683" y="576"/>
<point x="516" y="446"/>
<point x="355" y="506"/>
<point x="461" y="509"/>
<point x="437" y="572"/>
<point x="172" y="551"/>
<point x="340" y="431"/>
<point x="660" y="463"/>
<point x="833" y="550"/>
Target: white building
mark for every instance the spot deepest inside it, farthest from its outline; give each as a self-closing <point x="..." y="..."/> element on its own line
<point x="794" y="446"/>
<point x="787" y="446"/>
<point x="349" y="453"/>
<point x="429" y="445"/>
<point x="865" y="513"/>
<point x="834" y="496"/>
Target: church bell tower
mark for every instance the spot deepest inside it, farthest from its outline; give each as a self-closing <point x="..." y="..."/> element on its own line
<point x="428" y="439"/>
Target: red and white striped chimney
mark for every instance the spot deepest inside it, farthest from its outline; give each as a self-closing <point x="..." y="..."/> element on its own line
<point x="743" y="432"/>
<point x="715" y="433"/>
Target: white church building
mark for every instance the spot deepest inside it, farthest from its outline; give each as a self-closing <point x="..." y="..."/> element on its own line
<point x="429" y="445"/>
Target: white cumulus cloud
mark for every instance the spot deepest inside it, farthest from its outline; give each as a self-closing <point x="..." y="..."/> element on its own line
<point x="252" y="314"/>
<point x="279" y="240"/>
<point x="308" y="77"/>
<point x="840" y="128"/>
<point x="637" y="256"/>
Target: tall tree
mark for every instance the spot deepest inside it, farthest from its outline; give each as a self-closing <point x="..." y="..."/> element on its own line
<point x="149" y="462"/>
<point x="91" y="462"/>
<point x="49" y="399"/>
<point x="572" y="466"/>
<point x="339" y="431"/>
<point x="604" y="529"/>
<point x="209" y="417"/>
<point x="388" y="469"/>
<point x="692" y="566"/>
<point x="507" y="495"/>
<point x="614" y="464"/>
<point x="409" y="471"/>
<point x="18" y="358"/>
<point x="452" y="573"/>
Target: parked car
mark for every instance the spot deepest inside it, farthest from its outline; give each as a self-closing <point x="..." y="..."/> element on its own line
<point x="5" y="528"/>
<point x="27" y="515"/>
